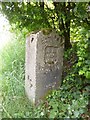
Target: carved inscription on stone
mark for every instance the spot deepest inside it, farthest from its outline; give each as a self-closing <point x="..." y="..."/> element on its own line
<point x="50" y="57"/>
<point x="30" y="82"/>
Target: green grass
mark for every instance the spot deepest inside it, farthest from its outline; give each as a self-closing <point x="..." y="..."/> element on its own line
<point x="13" y="67"/>
<point x="16" y="107"/>
<point x="12" y="74"/>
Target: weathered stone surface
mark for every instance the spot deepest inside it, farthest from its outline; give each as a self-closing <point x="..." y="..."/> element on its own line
<point x="44" y="61"/>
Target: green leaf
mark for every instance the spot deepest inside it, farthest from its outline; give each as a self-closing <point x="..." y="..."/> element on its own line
<point x="53" y="104"/>
<point x="76" y="114"/>
<point x="87" y="74"/>
<point x="79" y="63"/>
<point x="81" y="72"/>
<point x="52" y="113"/>
<point x="85" y="69"/>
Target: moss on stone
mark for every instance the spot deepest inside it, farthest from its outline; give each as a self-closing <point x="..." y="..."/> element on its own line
<point x="46" y="31"/>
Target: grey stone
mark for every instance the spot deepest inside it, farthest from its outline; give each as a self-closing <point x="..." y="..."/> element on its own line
<point x="44" y="61"/>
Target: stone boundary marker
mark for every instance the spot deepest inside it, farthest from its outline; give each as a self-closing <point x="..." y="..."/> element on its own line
<point x="43" y="67"/>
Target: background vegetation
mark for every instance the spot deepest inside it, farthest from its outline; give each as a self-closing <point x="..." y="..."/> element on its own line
<point x="72" y="100"/>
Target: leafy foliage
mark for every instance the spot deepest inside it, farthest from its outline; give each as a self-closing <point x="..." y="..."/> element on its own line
<point x="69" y="101"/>
<point x="73" y="97"/>
<point x="55" y="15"/>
